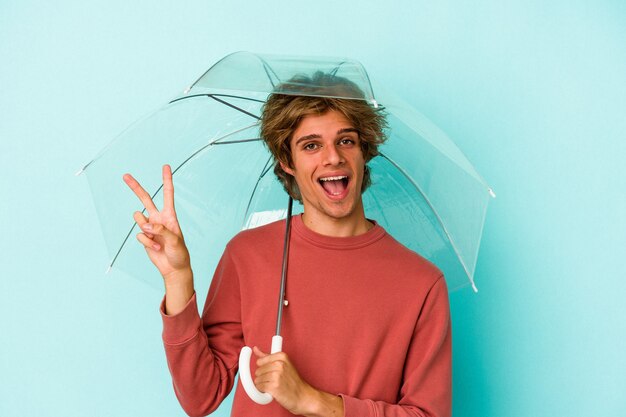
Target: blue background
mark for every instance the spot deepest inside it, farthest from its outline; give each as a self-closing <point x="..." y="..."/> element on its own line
<point x="533" y="92"/>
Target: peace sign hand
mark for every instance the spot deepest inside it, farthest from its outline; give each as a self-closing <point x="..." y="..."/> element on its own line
<point x="161" y="237"/>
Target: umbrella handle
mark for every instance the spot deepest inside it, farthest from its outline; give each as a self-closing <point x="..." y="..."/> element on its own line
<point x="244" y="372"/>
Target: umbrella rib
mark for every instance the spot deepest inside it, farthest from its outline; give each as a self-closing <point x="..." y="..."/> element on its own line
<point x="267" y="168"/>
<point x="161" y="186"/>
<point x="209" y="70"/>
<point x="268" y="75"/>
<point x="263" y="172"/>
<point x="417" y="187"/>
<point x="230" y="142"/>
<point x="215" y="94"/>
<point x="214" y="97"/>
<point x="334" y="71"/>
<point x="267" y="68"/>
<point x="234" y="107"/>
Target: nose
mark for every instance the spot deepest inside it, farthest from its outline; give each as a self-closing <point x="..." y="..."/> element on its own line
<point x="332" y="155"/>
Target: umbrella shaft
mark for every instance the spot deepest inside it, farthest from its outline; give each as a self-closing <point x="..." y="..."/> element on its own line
<point x="283" y="274"/>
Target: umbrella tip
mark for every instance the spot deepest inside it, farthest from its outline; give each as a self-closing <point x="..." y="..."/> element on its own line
<point x="80" y="172"/>
<point x="374" y="103"/>
<point x="492" y="193"/>
<point x="108" y="270"/>
<point x="187" y="90"/>
<point x="474" y="287"/>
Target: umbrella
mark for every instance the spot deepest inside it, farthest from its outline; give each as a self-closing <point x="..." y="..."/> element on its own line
<point x="424" y="190"/>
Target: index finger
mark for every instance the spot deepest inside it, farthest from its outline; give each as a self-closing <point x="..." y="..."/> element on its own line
<point x="259" y="352"/>
<point x="265" y="358"/>
<point x="142" y="194"/>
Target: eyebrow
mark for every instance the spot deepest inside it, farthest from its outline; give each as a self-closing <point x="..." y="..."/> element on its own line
<point x="317" y="136"/>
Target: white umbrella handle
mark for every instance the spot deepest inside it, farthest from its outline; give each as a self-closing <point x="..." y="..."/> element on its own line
<point x="244" y="372"/>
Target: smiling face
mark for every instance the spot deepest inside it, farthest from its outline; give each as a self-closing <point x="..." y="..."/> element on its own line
<point x="328" y="166"/>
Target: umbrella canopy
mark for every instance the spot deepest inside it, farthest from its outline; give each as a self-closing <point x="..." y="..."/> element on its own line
<point x="424" y="190"/>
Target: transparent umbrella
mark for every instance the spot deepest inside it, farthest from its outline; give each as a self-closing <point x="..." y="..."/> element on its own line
<point x="424" y="191"/>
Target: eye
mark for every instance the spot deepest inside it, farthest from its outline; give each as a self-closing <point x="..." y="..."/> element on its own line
<point x="311" y="146"/>
<point x="347" y="141"/>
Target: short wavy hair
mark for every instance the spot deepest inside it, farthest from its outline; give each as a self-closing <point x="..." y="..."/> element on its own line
<point x="282" y="114"/>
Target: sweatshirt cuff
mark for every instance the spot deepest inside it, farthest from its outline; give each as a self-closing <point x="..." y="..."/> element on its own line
<point x="354" y="407"/>
<point x="183" y="326"/>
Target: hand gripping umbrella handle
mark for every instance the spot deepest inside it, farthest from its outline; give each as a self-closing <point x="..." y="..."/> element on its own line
<point x="244" y="372"/>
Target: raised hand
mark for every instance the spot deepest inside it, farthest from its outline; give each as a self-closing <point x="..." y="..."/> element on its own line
<point x="161" y="235"/>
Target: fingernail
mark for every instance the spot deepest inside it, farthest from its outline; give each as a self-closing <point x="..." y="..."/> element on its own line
<point x="156" y="246"/>
<point x="147" y="226"/>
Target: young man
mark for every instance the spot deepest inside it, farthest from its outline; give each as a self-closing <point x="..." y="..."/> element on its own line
<point x="366" y="330"/>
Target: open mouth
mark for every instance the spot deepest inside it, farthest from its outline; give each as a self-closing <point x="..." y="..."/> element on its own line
<point x="335" y="186"/>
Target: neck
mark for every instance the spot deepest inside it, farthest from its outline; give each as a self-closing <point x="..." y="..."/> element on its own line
<point x="352" y="225"/>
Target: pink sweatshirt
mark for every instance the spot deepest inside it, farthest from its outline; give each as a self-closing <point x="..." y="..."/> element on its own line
<point x="367" y="319"/>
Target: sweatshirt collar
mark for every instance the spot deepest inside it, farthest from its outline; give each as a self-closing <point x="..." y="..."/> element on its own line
<point x="332" y="242"/>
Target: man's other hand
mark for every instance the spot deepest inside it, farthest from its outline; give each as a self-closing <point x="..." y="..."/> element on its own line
<point x="277" y="376"/>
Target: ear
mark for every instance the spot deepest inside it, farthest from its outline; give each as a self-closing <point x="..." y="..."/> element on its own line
<point x="287" y="169"/>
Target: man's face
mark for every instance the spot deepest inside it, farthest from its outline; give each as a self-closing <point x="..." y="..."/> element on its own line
<point x="328" y="166"/>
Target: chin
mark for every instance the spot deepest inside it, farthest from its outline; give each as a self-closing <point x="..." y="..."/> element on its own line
<point x="342" y="210"/>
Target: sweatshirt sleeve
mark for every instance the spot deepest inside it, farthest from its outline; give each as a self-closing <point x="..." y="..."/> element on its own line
<point x="427" y="384"/>
<point x="202" y="353"/>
